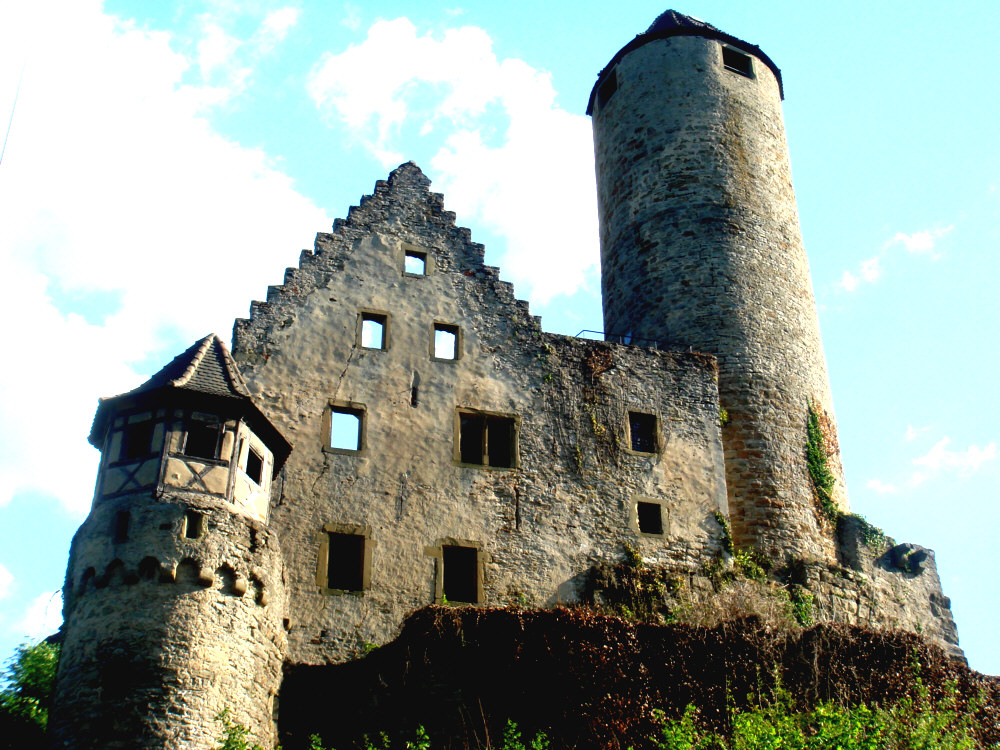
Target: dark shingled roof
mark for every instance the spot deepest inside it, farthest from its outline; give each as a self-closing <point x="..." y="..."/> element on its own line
<point x="671" y="23"/>
<point x="206" y="366"/>
<point x="206" y="374"/>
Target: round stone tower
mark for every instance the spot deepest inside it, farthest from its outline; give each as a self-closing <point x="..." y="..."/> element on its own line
<point x="174" y="596"/>
<point x="701" y="249"/>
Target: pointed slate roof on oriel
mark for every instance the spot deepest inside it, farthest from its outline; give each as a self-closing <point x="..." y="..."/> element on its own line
<point x="205" y="375"/>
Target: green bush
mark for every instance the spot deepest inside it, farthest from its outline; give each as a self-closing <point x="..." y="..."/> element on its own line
<point x="28" y="681"/>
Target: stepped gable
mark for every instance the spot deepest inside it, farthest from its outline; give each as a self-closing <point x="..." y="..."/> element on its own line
<point x="402" y="206"/>
<point x="204" y="372"/>
<point x="671" y="23"/>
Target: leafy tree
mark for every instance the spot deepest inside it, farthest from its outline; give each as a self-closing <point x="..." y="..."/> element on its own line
<point x="26" y="686"/>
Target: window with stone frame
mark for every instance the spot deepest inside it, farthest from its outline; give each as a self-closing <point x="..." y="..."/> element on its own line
<point x="737" y="62"/>
<point x="345" y="561"/>
<point x="643" y="433"/>
<point x="460" y="574"/>
<point x="649" y="517"/>
<point x="487" y="439"/>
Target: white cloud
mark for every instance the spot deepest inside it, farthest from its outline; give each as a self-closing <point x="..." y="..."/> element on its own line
<point x="497" y="137"/>
<point x="921" y="242"/>
<point x="42" y="617"/>
<point x="881" y="487"/>
<point x="963" y="463"/>
<point x="6" y="582"/>
<point x="912" y="433"/>
<point x="129" y="225"/>
<point x="278" y="23"/>
<point x="870" y="270"/>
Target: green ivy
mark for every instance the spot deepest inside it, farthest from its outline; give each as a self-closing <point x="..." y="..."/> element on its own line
<point x="818" y="463"/>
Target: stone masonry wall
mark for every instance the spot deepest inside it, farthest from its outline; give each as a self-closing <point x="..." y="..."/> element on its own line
<point x="163" y="632"/>
<point x="701" y="248"/>
<point x="569" y="503"/>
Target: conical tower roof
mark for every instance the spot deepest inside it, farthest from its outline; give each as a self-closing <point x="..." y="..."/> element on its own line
<point x="203" y="376"/>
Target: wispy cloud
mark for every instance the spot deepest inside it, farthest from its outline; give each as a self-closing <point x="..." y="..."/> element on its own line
<point x="942" y="460"/>
<point x="881" y="487"/>
<point x="352" y="17"/>
<point x="869" y="271"/>
<point x="496" y="135"/>
<point x="42" y="617"/>
<point x="912" y="433"/>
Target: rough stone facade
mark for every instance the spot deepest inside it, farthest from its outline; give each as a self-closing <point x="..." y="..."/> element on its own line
<point x="570" y="498"/>
<point x="700" y="247"/>
<point x="446" y="449"/>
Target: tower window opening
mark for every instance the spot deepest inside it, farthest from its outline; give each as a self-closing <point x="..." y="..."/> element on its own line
<point x="138" y="440"/>
<point x="255" y="466"/>
<point x="346" y="428"/>
<point x="487" y="440"/>
<point x="202" y="440"/>
<point x="119" y="531"/>
<point x="415" y="263"/>
<point x="737" y="62"/>
<point x="460" y="574"/>
<point x="642" y="432"/>
<point x="373" y="331"/>
<point x="607" y="88"/>
<point x="650" y="518"/>
<point x="446" y="341"/>
<point x="345" y="562"/>
<point x="192" y="524"/>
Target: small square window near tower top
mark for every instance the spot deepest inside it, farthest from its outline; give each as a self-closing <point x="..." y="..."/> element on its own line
<point x="607" y="88"/>
<point x="255" y="466"/>
<point x="414" y="262"/>
<point x="737" y="62"/>
<point x="138" y="440"/>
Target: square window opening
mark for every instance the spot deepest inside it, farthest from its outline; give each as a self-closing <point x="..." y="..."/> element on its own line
<point x="607" y="88"/>
<point x="445" y="341"/>
<point x="255" y="466"/>
<point x="202" y="440"/>
<point x="346" y="562"/>
<point x="415" y="263"/>
<point x="192" y="524"/>
<point x="737" y="62"/>
<point x="138" y="440"/>
<point x="487" y="440"/>
<point x="642" y="432"/>
<point x="650" y="518"/>
<point x="460" y="574"/>
<point x="119" y="532"/>
<point x="373" y="328"/>
<point x="345" y="428"/>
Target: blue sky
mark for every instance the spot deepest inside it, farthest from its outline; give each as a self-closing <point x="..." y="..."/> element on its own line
<point x="167" y="161"/>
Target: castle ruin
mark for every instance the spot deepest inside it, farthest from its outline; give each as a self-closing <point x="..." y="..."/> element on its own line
<point x="394" y="429"/>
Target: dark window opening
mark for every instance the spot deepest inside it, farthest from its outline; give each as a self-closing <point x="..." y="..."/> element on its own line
<point x="487" y="440"/>
<point x="119" y="532"/>
<point x="415" y="263"/>
<point x="202" y="440"/>
<point x="192" y="524"/>
<point x="373" y="329"/>
<point x="607" y="88"/>
<point x="345" y="565"/>
<point x="642" y="432"/>
<point x="737" y="62"/>
<point x="650" y="518"/>
<point x="255" y="466"/>
<point x="138" y="440"/>
<point x="445" y="341"/>
<point x="345" y="428"/>
<point x="461" y="575"/>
